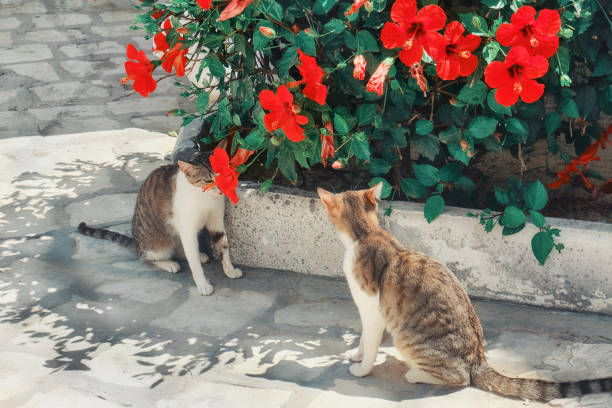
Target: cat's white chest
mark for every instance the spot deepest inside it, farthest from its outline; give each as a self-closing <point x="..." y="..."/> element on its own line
<point x="193" y="206"/>
<point x="366" y="303"/>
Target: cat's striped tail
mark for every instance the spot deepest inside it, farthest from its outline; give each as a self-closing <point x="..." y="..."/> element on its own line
<point x="121" y="239"/>
<point x="487" y="379"/>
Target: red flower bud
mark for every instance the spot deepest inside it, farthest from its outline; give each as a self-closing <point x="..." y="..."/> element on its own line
<point x="377" y="80"/>
<point x="360" y="66"/>
<point x="337" y="165"/>
<point x="267" y="31"/>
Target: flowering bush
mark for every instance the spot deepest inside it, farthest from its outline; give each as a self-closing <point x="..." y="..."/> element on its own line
<point x="415" y="92"/>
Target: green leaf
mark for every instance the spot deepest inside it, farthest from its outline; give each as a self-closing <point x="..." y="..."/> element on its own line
<point x="465" y="184"/>
<point x="536" y="196"/>
<point x="450" y="135"/>
<point x="340" y="124"/>
<point x="569" y="107"/>
<point x="474" y="23"/>
<point x="289" y="59"/>
<point x="365" y="113"/>
<point x="537" y="219"/>
<point x="423" y="127"/>
<point x="399" y="136"/>
<point x="482" y="126"/>
<point x="552" y="122"/>
<point x="541" y="245"/>
<point x="433" y="207"/>
<point x="513" y="217"/>
<point x="202" y="101"/>
<point x="412" y="188"/>
<point x="386" y="188"/>
<point x="426" y="174"/>
<point x="428" y="146"/>
<point x="260" y="41"/>
<point x="286" y="164"/>
<point x="586" y="99"/>
<point x="215" y="66"/>
<point x="379" y="167"/>
<point x="322" y="7"/>
<point x="457" y="152"/>
<point x="273" y="9"/>
<point x="512" y="230"/>
<point x="367" y="41"/>
<point x="306" y="43"/>
<point x="490" y="51"/>
<point x="517" y="126"/>
<point x="254" y="140"/>
<point x="450" y="173"/>
<point x="335" y="26"/>
<point x="496" y="107"/>
<point x="475" y="94"/>
<point x="494" y="4"/>
<point x="603" y="66"/>
<point x="265" y="185"/>
<point x="360" y="146"/>
<point x="501" y="196"/>
<point x="560" y="62"/>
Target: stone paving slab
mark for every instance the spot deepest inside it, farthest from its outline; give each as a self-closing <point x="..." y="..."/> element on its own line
<point x="59" y="55"/>
<point x="86" y="323"/>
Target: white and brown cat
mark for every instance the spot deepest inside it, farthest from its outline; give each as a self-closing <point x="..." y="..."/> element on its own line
<point x="423" y="306"/>
<point x="171" y="209"/>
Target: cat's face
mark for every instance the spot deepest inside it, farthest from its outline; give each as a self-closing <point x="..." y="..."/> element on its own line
<point x="348" y="211"/>
<point x="198" y="175"/>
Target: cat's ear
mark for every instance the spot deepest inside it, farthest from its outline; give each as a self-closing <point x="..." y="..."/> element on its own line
<point x="186" y="168"/>
<point x="373" y="194"/>
<point x="327" y="198"/>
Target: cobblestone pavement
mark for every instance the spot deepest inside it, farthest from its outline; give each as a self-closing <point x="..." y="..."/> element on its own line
<point x="84" y="323"/>
<point x="60" y="65"/>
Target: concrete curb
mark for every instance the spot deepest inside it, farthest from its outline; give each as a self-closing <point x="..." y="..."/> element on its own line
<point x="288" y="229"/>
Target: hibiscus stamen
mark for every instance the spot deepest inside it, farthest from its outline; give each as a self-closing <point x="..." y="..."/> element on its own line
<point x="517" y="87"/>
<point x="295" y="109"/>
<point x="465" y="54"/>
<point x="126" y="79"/>
<point x="534" y="42"/>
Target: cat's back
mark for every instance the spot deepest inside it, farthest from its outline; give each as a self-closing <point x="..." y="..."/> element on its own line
<point x="154" y="203"/>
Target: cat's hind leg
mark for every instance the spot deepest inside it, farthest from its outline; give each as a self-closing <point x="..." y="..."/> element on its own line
<point x="161" y="259"/>
<point x="180" y="253"/>
<point x="219" y="239"/>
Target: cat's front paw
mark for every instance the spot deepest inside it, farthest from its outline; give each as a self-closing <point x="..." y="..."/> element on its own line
<point x="205" y="289"/>
<point x="204" y="258"/>
<point x="358" y="370"/>
<point x="356" y="354"/>
<point x="234" y="273"/>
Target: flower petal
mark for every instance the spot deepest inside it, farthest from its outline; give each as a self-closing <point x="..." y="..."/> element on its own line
<point x="547" y="46"/>
<point x="448" y="69"/>
<point x="537" y="67"/>
<point x="517" y="55"/>
<point x="392" y="36"/>
<point x="508" y="35"/>
<point x="531" y="90"/>
<point x="403" y="11"/>
<point x="435" y="44"/>
<point x="413" y="54"/>
<point x="432" y="17"/>
<point x="131" y="51"/>
<point x="270" y="101"/>
<point x="219" y="160"/>
<point x="523" y="16"/>
<point x="496" y="74"/>
<point x="548" y="22"/>
<point x="453" y="31"/>
<point x="506" y="95"/>
<point x="284" y="95"/>
<point x="293" y="131"/>
<point x="204" y="4"/>
<point x="468" y="43"/>
<point x="468" y="65"/>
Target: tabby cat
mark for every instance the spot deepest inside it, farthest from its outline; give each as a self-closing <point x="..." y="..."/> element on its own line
<point x="421" y="303"/>
<point x="171" y="209"/>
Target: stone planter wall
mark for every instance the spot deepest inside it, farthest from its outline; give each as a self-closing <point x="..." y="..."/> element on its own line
<point x="288" y="230"/>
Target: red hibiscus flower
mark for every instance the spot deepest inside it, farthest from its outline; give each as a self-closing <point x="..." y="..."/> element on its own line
<point x="412" y="31"/>
<point x="172" y="57"/>
<point x="234" y="8"/>
<point x="140" y="71"/>
<point x="283" y="113"/>
<point x="226" y="177"/>
<point x="355" y="7"/>
<point x="205" y="4"/>
<point x="454" y="56"/>
<point x="377" y="80"/>
<point x="312" y="76"/>
<point x="515" y="76"/>
<point x="327" y="143"/>
<point x="537" y="35"/>
<point x="360" y="67"/>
